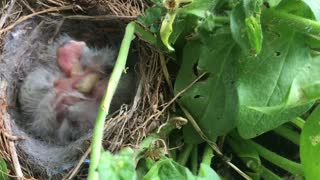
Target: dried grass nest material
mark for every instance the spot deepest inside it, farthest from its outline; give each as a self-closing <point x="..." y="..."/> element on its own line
<point x="126" y="128"/>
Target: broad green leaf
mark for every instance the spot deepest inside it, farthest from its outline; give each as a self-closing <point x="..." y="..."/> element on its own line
<point x="151" y="18"/>
<point x="265" y="82"/>
<point x="310" y="146"/>
<point x="252" y="7"/>
<point x="305" y="89"/>
<point x="238" y="28"/>
<point x="315" y="7"/>
<point x="212" y="101"/>
<point x="198" y="7"/>
<point x="166" y="168"/>
<point x="207" y="173"/>
<point x="118" y="167"/>
<point x="273" y="3"/>
<point x="3" y="169"/>
<point x="297" y="7"/>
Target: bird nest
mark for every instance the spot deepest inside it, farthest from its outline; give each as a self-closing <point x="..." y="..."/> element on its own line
<point x="22" y="33"/>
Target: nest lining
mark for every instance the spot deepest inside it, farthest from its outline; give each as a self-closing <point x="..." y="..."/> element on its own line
<point x="126" y="128"/>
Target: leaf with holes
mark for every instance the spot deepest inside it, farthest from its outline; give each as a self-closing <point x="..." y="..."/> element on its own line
<point x="310" y="146"/>
<point x="212" y="101"/>
<point x="268" y="84"/>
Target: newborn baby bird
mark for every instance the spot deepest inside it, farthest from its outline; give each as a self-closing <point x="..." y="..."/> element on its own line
<point x="61" y="100"/>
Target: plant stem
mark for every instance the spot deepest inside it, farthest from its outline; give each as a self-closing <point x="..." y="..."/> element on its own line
<point x="194" y="160"/>
<point x="221" y="19"/>
<point x="207" y="155"/>
<point x="299" y="122"/>
<point x="185" y="153"/>
<point x="267" y="174"/>
<point x="290" y="166"/>
<point x="298" y="23"/>
<point x="288" y="134"/>
<point x="105" y="104"/>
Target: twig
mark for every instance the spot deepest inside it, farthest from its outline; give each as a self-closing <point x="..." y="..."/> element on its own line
<point x="6" y="15"/>
<point x="14" y="156"/>
<point x="76" y="169"/>
<point x="184" y="90"/>
<point x="171" y="101"/>
<point x="24" y="18"/>
<point x="59" y="3"/>
<point x="28" y="6"/>
<point x="212" y="144"/>
<point x="101" y="18"/>
<point x="165" y="72"/>
<point x="11" y="137"/>
<point x="7" y="126"/>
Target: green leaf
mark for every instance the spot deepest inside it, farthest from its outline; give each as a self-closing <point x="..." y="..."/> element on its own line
<point x="273" y="3"/>
<point x="245" y="152"/>
<point x="212" y="101"/>
<point x="310" y="146"/>
<point x="315" y="8"/>
<point x="268" y="84"/>
<point x="151" y="18"/>
<point x="166" y="168"/>
<point x="238" y="28"/>
<point x="166" y="28"/>
<point x="3" y="169"/>
<point x="118" y="167"/>
<point x="207" y="173"/>
<point x="254" y="33"/>
<point x="198" y="7"/>
<point x="252" y="7"/>
<point x="246" y="27"/>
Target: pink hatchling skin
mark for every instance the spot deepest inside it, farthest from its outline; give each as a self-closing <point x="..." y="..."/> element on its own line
<point x="62" y="100"/>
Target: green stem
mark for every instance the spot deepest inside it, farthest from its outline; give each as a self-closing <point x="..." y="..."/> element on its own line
<point x="290" y="166"/>
<point x="194" y="160"/>
<point x="292" y="21"/>
<point x="207" y="155"/>
<point x="221" y="19"/>
<point x="299" y="122"/>
<point x="105" y="104"/>
<point x="184" y="155"/>
<point x="288" y="134"/>
<point x="267" y="174"/>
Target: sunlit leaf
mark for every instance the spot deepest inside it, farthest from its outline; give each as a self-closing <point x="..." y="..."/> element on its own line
<point x="310" y="146"/>
<point x="315" y="8"/>
<point x="166" y="29"/>
<point x="270" y="84"/>
<point x="166" y="168"/>
<point x="207" y="173"/>
<point x="119" y="167"/>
